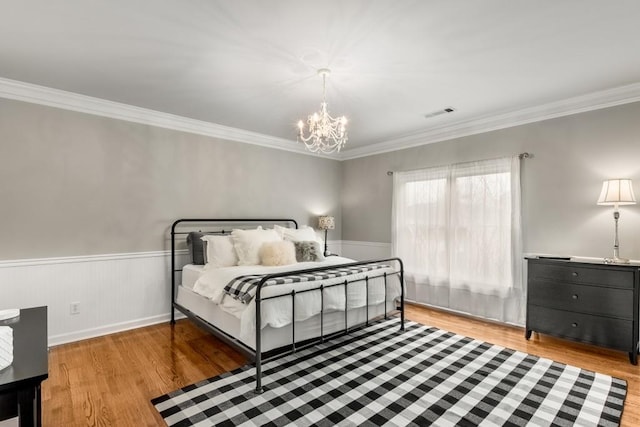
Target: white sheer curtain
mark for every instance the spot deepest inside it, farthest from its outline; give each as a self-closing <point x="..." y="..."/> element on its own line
<point x="457" y="229"/>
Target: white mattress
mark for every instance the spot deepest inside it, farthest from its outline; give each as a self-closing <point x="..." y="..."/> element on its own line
<point x="273" y="338"/>
<point x="190" y="274"/>
<point x="238" y="320"/>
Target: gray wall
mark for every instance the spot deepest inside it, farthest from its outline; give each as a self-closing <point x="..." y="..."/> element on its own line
<point x="75" y="184"/>
<point x="560" y="185"/>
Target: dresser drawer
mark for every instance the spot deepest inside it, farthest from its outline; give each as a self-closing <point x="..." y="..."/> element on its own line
<point x="613" y="302"/>
<point x="604" y="331"/>
<point x="570" y="273"/>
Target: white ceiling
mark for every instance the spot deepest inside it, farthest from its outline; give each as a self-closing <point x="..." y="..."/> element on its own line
<point x="251" y="64"/>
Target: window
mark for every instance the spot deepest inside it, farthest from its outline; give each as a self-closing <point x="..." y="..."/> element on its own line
<point x="457" y="229"/>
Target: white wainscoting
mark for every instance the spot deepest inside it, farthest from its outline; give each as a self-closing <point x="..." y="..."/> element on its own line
<point x="116" y="292"/>
<point x="362" y="251"/>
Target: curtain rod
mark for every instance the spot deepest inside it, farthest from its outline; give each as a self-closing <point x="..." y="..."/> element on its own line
<point x="525" y="155"/>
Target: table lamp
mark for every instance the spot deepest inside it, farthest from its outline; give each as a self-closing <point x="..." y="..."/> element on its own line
<point x="325" y="223"/>
<point x="616" y="192"/>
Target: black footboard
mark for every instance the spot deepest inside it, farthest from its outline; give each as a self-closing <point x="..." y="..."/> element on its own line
<point x="321" y="288"/>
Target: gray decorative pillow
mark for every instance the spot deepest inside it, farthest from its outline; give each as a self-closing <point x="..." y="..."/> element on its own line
<point x="196" y="248"/>
<point x="308" y="250"/>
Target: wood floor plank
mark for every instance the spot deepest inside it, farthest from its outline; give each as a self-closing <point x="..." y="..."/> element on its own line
<point x="110" y="380"/>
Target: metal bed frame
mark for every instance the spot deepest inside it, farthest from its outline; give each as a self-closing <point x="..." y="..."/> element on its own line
<point x="257" y="356"/>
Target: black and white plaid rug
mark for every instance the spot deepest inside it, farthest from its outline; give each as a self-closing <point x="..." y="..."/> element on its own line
<point x="379" y="376"/>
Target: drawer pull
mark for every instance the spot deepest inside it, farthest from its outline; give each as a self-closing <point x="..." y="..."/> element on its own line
<point x="574" y="296"/>
<point x="574" y="274"/>
<point x="574" y="325"/>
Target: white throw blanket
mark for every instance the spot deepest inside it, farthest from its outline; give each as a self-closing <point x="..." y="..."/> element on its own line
<point x="277" y="312"/>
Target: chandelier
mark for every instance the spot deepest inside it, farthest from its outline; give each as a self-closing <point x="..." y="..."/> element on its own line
<point x="324" y="133"/>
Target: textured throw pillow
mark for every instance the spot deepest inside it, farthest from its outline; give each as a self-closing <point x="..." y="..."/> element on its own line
<point x="220" y="251"/>
<point x="248" y="242"/>
<point x="277" y="253"/>
<point x="303" y="233"/>
<point x="196" y="247"/>
<point x="308" y="251"/>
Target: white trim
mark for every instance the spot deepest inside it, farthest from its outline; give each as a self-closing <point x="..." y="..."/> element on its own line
<point x="110" y="329"/>
<point x="463" y="314"/>
<point x="579" y="104"/>
<point x="361" y="243"/>
<point x="27" y="92"/>
<point x="132" y="255"/>
<point x="87" y="258"/>
<point x="20" y="91"/>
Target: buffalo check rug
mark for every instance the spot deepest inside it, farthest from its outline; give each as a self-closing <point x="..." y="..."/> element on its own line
<point x="379" y="376"/>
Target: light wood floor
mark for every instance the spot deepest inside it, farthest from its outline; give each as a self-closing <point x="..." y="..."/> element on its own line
<point x="109" y="381"/>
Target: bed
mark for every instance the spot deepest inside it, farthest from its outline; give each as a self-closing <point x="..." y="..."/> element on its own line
<point x="266" y="311"/>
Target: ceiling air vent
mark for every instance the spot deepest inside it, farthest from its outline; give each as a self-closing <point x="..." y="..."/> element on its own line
<point x="439" y="112"/>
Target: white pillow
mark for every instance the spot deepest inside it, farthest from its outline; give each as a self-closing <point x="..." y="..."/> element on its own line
<point x="248" y="242"/>
<point x="220" y="251"/>
<point x="277" y="253"/>
<point x="302" y="234"/>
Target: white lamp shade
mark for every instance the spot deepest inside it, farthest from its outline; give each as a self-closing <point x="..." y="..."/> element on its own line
<point x="326" y="222"/>
<point x="617" y="192"/>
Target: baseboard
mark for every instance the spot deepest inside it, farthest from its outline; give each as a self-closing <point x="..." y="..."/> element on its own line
<point x="462" y="314"/>
<point x="84" y="334"/>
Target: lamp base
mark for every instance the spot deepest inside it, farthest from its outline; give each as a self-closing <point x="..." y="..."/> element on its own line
<point x="616" y="260"/>
<point x="326" y="247"/>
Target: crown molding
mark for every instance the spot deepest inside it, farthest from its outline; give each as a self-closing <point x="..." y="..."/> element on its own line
<point x="579" y="104"/>
<point x="35" y="94"/>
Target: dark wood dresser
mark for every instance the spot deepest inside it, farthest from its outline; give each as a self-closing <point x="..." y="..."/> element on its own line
<point x="591" y="302"/>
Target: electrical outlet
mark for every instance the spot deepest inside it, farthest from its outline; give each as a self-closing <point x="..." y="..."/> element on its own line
<point x="74" y="308"/>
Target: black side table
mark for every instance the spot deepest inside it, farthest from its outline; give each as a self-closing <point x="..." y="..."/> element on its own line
<point x="20" y="382"/>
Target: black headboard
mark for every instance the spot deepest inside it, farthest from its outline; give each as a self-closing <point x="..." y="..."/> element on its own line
<point x="183" y="227"/>
<point x="217" y="225"/>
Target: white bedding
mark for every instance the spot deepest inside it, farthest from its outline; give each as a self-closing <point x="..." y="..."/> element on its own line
<point x="273" y="338"/>
<point x="277" y="312"/>
<point x="190" y="274"/>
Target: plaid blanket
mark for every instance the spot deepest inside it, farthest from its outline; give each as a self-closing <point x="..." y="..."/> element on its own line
<point x="243" y="288"/>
